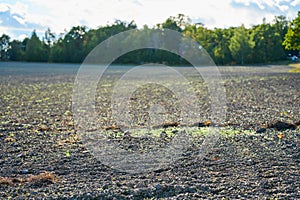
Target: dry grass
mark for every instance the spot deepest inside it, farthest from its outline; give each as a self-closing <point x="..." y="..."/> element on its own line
<point x="6" y="181"/>
<point x="113" y="127"/>
<point x="44" y="177"/>
<point x="72" y="139"/>
<point x="296" y="68"/>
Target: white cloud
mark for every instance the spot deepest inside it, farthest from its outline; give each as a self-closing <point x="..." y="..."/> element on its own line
<point x="262" y="4"/>
<point x="5" y="30"/>
<point x="97" y="13"/>
<point x="22" y="37"/>
<point x="295" y="3"/>
<point x="19" y="11"/>
<point x="10" y="31"/>
<point x="64" y="14"/>
<point x="19" y="8"/>
<point x="4" y="7"/>
<point x="19" y="19"/>
<point x="283" y="8"/>
<point x="61" y="15"/>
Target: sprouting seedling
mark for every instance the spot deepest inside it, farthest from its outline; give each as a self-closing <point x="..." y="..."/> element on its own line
<point x="67" y="153"/>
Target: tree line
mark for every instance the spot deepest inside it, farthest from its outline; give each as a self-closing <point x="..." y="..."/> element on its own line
<point x="262" y="43"/>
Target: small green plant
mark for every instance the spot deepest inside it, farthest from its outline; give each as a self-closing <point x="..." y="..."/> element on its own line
<point x="67" y="153"/>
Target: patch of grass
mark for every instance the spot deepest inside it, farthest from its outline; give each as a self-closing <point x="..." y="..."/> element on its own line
<point x="232" y="132"/>
<point x="296" y="68"/>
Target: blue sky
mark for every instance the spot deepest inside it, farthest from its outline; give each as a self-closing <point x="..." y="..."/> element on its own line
<point x="18" y="18"/>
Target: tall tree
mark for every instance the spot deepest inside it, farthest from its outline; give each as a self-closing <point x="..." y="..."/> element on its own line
<point x="221" y="53"/>
<point x="35" y="50"/>
<point x="47" y="43"/>
<point x="177" y="23"/>
<point x="57" y="50"/>
<point x="202" y="35"/>
<point x="261" y="35"/>
<point x="17" y="51"/>
<point x="292" y="37"/>
<point x="241" y="45"/>
<point x="73" y="44"/>
<point x="4" y="46"/>
<point x="261" y="43"/>
<point x="49" y="37"/>
<point x="281" y="25"/>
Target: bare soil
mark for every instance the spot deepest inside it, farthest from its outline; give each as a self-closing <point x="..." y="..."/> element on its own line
<point x="42" y="156"/>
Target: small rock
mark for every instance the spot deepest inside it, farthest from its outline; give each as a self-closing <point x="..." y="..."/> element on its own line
<point x="261" y="130"/>
<point x="24" y="171"/>
<point x="163" y="134"/>
<point x="175" y="131"/>
<point x="127" y="135"/>
<point x="158" y="186"/>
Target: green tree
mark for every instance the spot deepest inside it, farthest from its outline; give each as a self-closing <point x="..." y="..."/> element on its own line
<point x="17" y="51"/>
<point x="221" y="53"/>
<point x="280" y="27"/>
<point x="35" y="50"/>
<point x="4" y="47"/>
<point x="202" y="35"/>
<point x="56" y="52"/>
<point x="48" y="41"/>
<point x="178" y="23"/>
<point x="49" y="37"/>
<point x="73" y="44"/>
<point x="292" y="37"/>
<point x="261" y="43"/>
<point x="241" y="45"/>
<point x="268" y="41"/>
<point x="95" y="36"/>
<point x="261" y="35"/>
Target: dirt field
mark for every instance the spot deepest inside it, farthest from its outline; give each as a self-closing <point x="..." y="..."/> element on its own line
<point x="256" y="157"/>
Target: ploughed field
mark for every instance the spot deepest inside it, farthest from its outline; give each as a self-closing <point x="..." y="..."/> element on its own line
<point x="255" y="156"/>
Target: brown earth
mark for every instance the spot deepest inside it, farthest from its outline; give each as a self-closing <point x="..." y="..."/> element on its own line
<point x="42" y="156"/>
